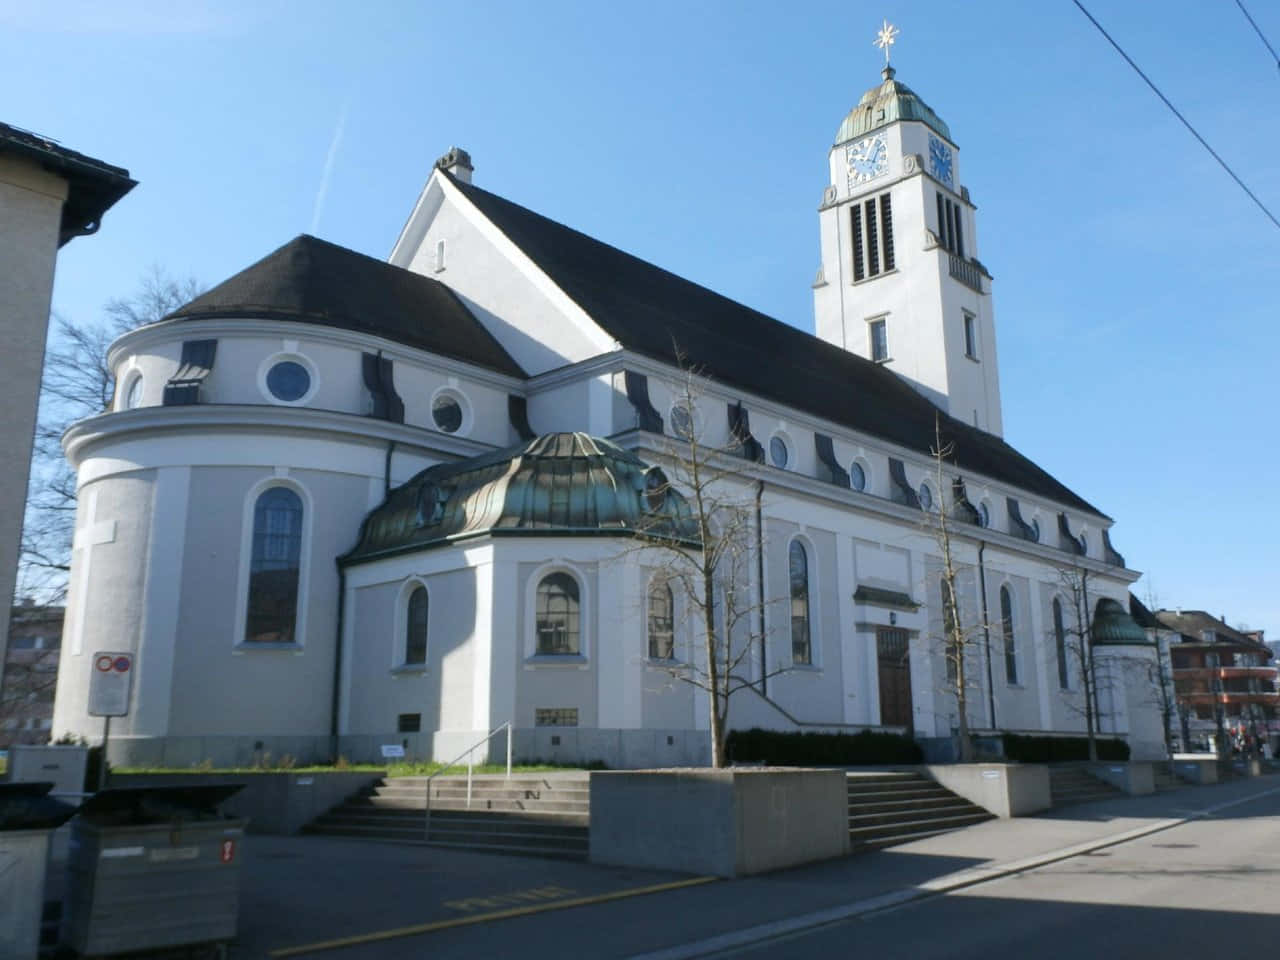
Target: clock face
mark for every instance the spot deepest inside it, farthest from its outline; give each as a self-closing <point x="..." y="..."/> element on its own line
<point x="866" y="160"/>
<point x="940" y="161"/>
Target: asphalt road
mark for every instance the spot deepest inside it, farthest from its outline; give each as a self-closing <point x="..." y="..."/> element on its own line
<point x="1207" y="883"/>
<point x="1208" y="888"/>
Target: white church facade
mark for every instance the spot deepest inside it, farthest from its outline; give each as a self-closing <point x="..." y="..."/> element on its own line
<point x="340" y="503"/>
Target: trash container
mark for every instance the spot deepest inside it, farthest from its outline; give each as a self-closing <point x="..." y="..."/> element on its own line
<point x="153" y="867"/>
<point x="28" y="817"/>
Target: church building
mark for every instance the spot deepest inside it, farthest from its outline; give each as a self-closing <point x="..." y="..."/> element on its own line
<point x="340" y="503"/>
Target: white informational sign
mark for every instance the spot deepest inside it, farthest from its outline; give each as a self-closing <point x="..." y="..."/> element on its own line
<point x="110" y="680"/>
<point x="391" y="751"/>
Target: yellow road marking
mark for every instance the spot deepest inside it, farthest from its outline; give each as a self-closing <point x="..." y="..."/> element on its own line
<point x="486" y="917"/>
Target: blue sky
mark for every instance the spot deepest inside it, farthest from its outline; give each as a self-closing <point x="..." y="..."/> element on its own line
<point x="1135" y="284"/>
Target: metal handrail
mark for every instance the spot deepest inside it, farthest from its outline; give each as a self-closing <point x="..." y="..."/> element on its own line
<point x="468" y="753"/>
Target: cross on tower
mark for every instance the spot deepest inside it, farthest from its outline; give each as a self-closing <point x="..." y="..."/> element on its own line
<point x="885" y="39"/>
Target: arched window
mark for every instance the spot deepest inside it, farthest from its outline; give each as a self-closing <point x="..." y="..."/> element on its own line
<point x="415" y="627"/>
<point x="661" y="622"/>
<point x="272" y="610"/>
<point x="1006" y="627"/>
<point x="1060" y="638"/>
<point x="559" y="613"/>
<point x="949" y="632"/>
<point x="801" y="648"/>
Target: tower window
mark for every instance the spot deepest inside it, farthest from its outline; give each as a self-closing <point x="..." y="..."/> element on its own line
<point x="970" y="336"/>
<point x="872" y="223"/>
<point x="950" y="231"/>
<point x="879" y="340"/>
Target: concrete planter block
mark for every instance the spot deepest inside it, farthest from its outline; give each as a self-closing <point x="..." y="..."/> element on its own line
<point x="276" y="802"/>
<point x="729" y="823"/>
<point x="1196" y="768"/>
<point x="62" y="765"/>
<point x="1135" y="779"/>
<point x="1005" y="789"/>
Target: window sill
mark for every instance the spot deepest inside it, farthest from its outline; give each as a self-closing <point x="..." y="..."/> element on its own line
<point x="969" y="356"/>
<point x="883" y="360"/>
<point x="556" y="660"/>
<point x="659" y="664"/>
<point x="409" y="669"/>
<point x="243" y="647"/>
<point x="875" y="277"/>
<point x="807" y="667"/>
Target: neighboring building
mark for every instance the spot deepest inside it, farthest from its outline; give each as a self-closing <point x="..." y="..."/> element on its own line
<point x="1224" y="680"/>
<point x="48" y="196"/>
<point x="340" y="502"/>
<point x="30" y="674"/>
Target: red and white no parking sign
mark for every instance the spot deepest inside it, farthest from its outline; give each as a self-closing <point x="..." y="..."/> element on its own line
<point x="109" y="684"/>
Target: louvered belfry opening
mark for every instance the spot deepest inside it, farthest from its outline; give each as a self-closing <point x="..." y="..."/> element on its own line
<point x="872" y="223"/>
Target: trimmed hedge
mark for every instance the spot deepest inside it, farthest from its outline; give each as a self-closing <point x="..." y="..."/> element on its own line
<point x="821" y="749"/>
<point x="1019" y="748"/>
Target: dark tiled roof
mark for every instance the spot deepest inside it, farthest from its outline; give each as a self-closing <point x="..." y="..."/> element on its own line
<point x="94" y="186"/>
<point x="647" y="309"/>
<point x="1192" y="623"/>
<point x="313" y="281"/>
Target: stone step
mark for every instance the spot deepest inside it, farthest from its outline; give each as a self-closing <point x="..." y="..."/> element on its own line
<point x="920" y="789"/>
<point x="887" y="806"/>
<point x="477" y="803"/>
<point x="956" y="808"/>
<point x="861" y="837"/>
<point x="523" y="846"/>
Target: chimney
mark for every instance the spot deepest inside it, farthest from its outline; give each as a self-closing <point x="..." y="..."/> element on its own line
<point x="458" y="163"/>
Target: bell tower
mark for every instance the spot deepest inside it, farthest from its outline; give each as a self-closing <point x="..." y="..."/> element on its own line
<point x="900" y="282"/>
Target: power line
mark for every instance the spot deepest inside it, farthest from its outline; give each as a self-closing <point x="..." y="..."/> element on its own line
<point x="1258" y="30"/>
<point x="1204" y="143"/>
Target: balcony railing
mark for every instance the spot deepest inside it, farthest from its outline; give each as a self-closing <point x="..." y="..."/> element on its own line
<point x="966" y="273"/>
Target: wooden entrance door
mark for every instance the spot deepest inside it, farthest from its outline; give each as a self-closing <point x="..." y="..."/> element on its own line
<point x="894" y="657"/>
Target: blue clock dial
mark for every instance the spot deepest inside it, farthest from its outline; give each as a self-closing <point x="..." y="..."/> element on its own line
<point x="940" y="161"/>
<point x="866" y="160"/>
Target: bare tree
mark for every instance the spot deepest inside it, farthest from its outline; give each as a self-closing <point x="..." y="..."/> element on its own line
<point x="959" y="638"/>
<point x="714" y="569"/>
<point x="77" y="383"/>
<point x="1072" y="637"/>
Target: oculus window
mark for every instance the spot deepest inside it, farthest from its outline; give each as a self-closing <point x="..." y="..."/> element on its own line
<point x="801" y="646"/>
<point x="288" y="381"/>
<point x="857" y="476"/>
<point x="273" y="572"/>
<point x="778" y="453"/>
<point x="446" y="412"/>
<point x="558" y="615"/>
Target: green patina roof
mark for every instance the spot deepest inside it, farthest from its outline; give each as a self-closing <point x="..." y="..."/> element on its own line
<point x="886" y="103"/>
<point x="560" y="484"/>
<point x="1113" y="626"/>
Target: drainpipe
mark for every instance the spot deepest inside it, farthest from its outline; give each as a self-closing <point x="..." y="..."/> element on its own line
<point x="986" y="632"/>
<point x="337" y="662"/>
<point x="764" y="672"/>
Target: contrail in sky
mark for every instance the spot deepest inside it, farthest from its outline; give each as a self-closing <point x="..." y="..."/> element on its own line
<point x="328" y="166"/>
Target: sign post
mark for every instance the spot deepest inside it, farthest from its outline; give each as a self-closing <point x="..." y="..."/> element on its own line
<point x="110" y="682"/>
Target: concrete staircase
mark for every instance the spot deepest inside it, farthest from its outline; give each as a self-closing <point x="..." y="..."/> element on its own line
<point x="538" y="814"/>
<point x="890" y="808"/>
<point x="1071" y="784"/>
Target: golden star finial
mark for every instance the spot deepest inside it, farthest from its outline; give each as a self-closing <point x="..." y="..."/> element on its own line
<point x="885" y="39"/>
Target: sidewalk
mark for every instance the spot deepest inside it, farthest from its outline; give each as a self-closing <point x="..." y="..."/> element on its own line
<point x="308" y="890"/>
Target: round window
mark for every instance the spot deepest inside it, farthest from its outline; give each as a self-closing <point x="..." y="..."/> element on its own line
<point x="778" y="451"/>
<point x="984" y="515"/>
<point x="681" y="421"/>
<point x="133" y="396"/>
<point x="857" y="476"/>
<point x="446" y="411"/>
<point x="926" y="497"/>
<point x="655" y="489"/>
<point x="289" y="381"/>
